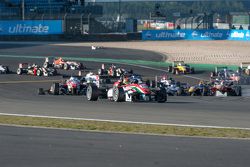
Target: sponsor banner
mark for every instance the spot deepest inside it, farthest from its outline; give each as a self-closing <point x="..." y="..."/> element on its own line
<point x="31" y="27"/>
<point x="242" y="35"/>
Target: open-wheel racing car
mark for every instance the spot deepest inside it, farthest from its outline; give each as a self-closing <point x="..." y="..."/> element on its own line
<point x="25" y="68"/>
<point x="179" y="67"/>
<point x="225" y="88"/>
<point x="62" y="64"/>
<point x="223" y="73"/>
<point x="77" y="85"/>
<point x="128" y="91"/>
<point x="4" y="69"/>
<point x="245" y="68"/>
<point x="71" y="86"/>
<point x="113" y="71"/>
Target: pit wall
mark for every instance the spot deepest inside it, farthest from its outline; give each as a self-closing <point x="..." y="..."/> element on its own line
<point x="188" y="34"/>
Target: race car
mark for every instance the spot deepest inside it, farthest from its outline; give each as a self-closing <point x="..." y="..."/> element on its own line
<point x="202" y="89"/>
<point x="131" y="92"/>
<point x="4" y="69"/>
<point x="113" y="71"/>
<point x="25" y="68"/>
<point x="225" y="88"/>
<point x="62" y="64"/>
<point x="245" y="68"/>
<point x="223" y="73"/>
<point x="179" y="67"/>
<point x="77" y="85"/>
<point x="71" y="86"/>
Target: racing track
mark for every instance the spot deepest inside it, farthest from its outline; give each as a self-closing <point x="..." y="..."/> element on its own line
<point x="21" y="97"/>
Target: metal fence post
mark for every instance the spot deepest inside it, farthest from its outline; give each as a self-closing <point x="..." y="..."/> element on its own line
<point x="64" y="22"/>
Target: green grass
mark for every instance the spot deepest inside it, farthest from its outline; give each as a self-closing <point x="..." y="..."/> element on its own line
<point x="124" y="127"/>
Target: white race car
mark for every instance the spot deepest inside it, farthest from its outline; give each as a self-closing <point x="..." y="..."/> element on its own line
<point x="4" y="69"/>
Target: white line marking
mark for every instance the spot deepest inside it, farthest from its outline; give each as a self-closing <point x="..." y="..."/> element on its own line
<point x="128" y="122"/>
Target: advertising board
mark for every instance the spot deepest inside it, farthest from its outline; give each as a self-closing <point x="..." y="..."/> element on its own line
<point x="31" y="27"/>
<point x="243" y="35"/>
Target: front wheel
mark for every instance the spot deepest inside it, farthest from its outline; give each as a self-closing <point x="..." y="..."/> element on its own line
<point x="118" y="94"/>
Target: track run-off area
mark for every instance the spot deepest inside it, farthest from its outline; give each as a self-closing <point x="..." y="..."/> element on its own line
<point x="19" y="93"/>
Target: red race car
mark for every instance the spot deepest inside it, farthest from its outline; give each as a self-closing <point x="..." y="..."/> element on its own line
<point x="127" y="91"/>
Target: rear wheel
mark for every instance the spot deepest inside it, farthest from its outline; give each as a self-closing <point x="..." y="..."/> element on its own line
<point x="46" y="65"/>
<point x="161" y="96"/>
<point x="7" y="70"/>
<point x="100" y="71"/>
<point x="65" y="66"/>
<point x="192" y="70"/>
<point x="74" y="91"/>
<point x="170" y="68"/>
<point x="19" y="71"/>
<point x="54" y="90"/>
<point x="118" y="94"/>
<point x="237" y="90"/>
<point x="92" y="93"/>
<point x="39" y="73"/>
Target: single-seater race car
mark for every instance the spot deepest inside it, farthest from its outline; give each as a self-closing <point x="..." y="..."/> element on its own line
<point x="25" y="68"/>
<point x="128" y="91"/>
<point x="113" y="71"/>
<point x="245" y="68"/>
<point x="173" y="87"/>
<point x="179" y="67"/>
<point x="71" y="86"/>
<point x="77" y="85"/>
<point x="225" y="88"/>
<point x="4" y="69"/>
<point x="62" y="64"/>
<point x="223" y="73"/>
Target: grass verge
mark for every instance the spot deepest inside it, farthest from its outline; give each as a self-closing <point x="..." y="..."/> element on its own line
<point x="124" y="127"/>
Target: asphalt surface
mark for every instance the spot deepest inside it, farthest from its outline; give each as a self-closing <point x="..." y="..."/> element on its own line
<point x="24" y="147"/>
<point x="21" y="97"/>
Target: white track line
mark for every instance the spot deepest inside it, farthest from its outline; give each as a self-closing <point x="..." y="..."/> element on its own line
<point x="128" y="122"/>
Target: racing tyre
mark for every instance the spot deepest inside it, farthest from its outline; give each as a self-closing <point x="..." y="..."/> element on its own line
<point x="39" y="73"/>
<point x="161" y="96"/>
<point x="7" y="70"/>
<point x="19" y="71"/>
<point x="118" y="94"/>
<point x="237" y="90"/>
<point x="148" y="83"/>
<point x="46" y="65"/>
<point x="170" y="68"/>
<point x="54" y="89"/>
<point x="152" y="84"/>
<point x="65" y="66"/>
<point x="92" y="93"/>
<point x="41" y="91"/>
<point x="100" y="71"/>
<point x="192" y="70"/>
<point x="204" y="91"/>
<point x="74" y="91"/>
